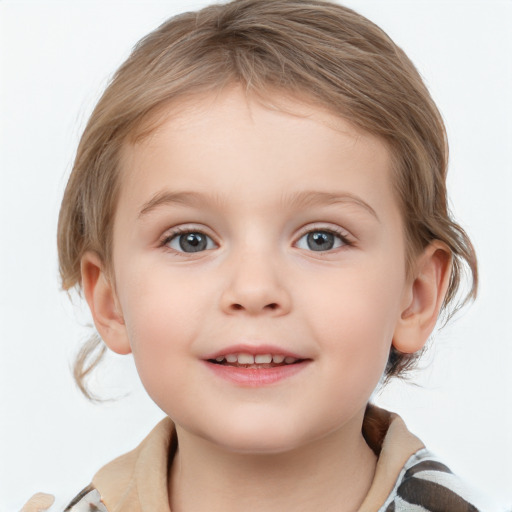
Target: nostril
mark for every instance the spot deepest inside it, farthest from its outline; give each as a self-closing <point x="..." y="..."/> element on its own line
<point x="272" y="307"/>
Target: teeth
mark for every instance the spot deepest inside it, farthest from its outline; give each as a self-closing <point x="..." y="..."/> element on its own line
<point x="249" y="359"/>
<point x="263" y="358"/>
<point x="245" y="359"/>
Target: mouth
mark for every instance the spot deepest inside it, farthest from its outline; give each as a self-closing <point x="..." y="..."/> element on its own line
<point x="258" y="361"/>
<point x="250" y="367"/>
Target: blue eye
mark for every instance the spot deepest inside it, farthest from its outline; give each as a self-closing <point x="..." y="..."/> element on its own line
<point x="190" y="241"/>
<point x="320" y="240"/>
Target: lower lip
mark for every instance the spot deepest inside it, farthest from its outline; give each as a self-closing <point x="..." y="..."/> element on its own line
<point x="256" y="377"/>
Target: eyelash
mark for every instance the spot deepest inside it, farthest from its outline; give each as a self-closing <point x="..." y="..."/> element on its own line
<point x="175" y="233"/>
<point x="342" y="235"/>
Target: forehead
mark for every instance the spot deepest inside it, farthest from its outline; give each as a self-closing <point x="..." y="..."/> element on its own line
<point x="232" y="141"/>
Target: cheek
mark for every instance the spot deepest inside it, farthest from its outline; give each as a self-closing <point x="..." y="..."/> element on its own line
<point x="356" y="316"/>
<point x="162" y="320"/>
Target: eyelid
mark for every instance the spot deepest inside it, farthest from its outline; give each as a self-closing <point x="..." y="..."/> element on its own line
<point x="345" y="235"/>
<point x="171" y="233"/>
<point x="343" y="240"/>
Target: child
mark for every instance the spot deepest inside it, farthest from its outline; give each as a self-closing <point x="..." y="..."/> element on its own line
<point x="258" y="213"/>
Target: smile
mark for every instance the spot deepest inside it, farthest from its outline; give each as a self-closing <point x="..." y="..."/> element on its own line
<point x="252" y="367"/>
<point x="244" y="360"/>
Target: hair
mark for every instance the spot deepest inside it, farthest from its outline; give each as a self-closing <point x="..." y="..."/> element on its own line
<point x="310" y="49"/>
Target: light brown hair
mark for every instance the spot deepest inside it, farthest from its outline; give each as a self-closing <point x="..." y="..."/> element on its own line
<point x="312" y="49"/>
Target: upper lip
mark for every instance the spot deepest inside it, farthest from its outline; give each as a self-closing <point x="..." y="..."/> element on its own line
<point x="244" y="348"/>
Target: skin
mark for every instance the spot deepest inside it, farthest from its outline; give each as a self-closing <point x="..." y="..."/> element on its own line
<point x="259" y="282"/>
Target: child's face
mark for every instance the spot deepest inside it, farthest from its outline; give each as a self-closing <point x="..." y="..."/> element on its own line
<point x="242" y="230"/>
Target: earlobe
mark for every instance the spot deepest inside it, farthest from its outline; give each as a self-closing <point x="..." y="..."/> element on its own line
<point x="101" y="297"/>
<point x="424" y="298"/>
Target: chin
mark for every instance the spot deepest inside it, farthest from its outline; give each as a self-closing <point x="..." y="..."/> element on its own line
<point x="258" y="437"/>
<point x="264" y="445"/>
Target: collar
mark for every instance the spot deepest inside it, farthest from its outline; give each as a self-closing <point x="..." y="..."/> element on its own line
<point x="137" y="481"/>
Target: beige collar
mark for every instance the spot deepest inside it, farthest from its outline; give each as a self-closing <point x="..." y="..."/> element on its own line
<point x="137" y="481"/>
<point x="395" y="446"/>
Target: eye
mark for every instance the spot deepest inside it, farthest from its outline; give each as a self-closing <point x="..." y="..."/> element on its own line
<point x="321" y="240"/>
<point x="190" y="241"/>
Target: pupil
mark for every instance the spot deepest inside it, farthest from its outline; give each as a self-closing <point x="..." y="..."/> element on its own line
<point x="320" y="241"/>
<point x="193" y="242"/>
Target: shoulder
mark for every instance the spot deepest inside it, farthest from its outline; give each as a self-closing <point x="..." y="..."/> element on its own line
<point x="132" y="482"/>
<point x="428" y="484"/>
<point x="87" y="500"/>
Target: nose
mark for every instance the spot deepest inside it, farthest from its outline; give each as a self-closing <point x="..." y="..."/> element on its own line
<point x="255" y="287"/>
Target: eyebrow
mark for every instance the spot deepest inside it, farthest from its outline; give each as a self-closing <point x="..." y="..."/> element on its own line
<point x="297" y="200"/>
<point x="318" y="198"/>
<point x="170" y="198"/>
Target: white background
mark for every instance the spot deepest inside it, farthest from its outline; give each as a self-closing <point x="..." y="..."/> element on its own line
<point x="56" y="58"/>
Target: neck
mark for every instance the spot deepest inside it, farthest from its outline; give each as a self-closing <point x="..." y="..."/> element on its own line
<point x="332" y="473"/>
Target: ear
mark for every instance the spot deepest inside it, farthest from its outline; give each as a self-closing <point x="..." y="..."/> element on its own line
<point x="101" y="297"/>
<point x="423" y="298"/>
